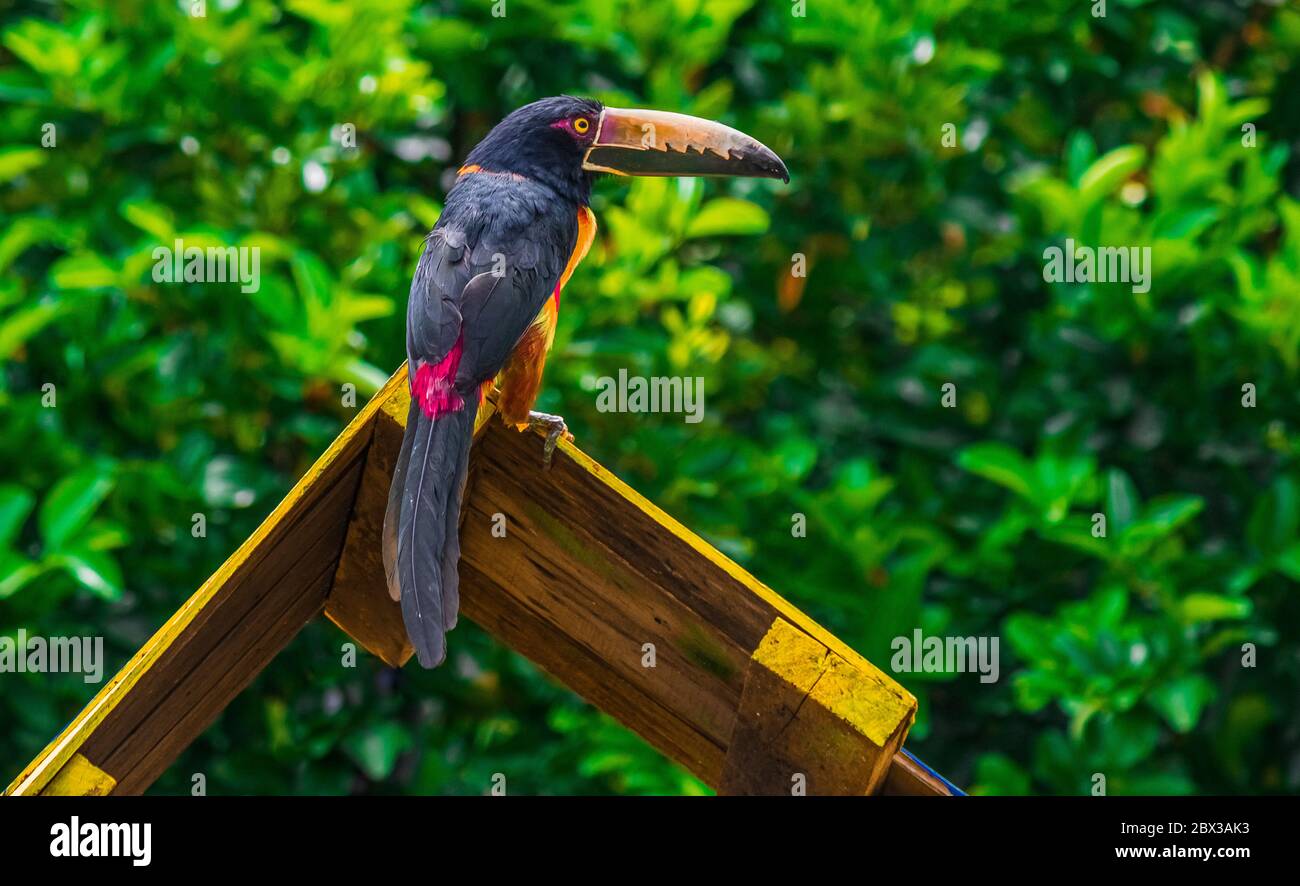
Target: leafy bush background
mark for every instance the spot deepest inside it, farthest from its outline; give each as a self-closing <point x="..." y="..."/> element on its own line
<point x="1120" y="656"/>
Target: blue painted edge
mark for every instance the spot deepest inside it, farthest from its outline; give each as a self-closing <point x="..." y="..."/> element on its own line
<point x="956" y="791"/>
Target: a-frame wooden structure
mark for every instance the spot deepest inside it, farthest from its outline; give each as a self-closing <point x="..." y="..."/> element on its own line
<point x="746" y="691"/>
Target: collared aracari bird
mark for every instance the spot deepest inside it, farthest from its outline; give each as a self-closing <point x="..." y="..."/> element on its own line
<point x="484" y="302"/>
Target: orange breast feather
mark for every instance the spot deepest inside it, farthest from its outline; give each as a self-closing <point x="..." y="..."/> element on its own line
<point x="520" y="379"/>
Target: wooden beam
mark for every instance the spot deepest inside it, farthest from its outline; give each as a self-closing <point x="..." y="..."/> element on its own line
<point x="222" y="637"/>
<point x="593" y="583"/>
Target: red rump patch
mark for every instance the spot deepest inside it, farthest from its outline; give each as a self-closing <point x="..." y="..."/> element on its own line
<point x="432" y="386"/>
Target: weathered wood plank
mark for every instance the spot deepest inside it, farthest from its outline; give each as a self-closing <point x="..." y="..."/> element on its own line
<point x="377" y="628"/>
<point x="196" y="700"/>
<point x="250" y="588"/>
<point x="221" y="644"/>
<point x="150" y="756"/>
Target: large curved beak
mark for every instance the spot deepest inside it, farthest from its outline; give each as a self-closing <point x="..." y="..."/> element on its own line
<point x="635" y="142"/>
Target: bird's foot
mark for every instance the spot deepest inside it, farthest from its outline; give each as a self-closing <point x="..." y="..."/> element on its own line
<point x="554" y="427"/>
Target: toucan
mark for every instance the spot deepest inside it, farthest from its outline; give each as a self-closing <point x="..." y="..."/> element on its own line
<point x="484" y="301"/>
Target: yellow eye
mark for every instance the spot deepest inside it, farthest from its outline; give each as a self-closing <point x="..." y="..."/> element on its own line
<point x="581" y="125"/>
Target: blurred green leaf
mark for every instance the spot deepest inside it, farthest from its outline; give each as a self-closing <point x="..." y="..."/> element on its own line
<point x="71" y="504"/>
<point x="376" y="750"/>
<point x="1181" y="701"/>
<point x="85" y="271"/>
<point x="1121" y="500"/>
<point x="19" y="327"/>
<point x="16" y="161"/>
<point x="1001" y="464"/>
<point x="15" y="506"/>
<point x="1112" y="168"/>
<point x="94" y="570"/>
<point x="16" y="571"/>
<point x="727" y="215"/>
<point x="1212" y="607"/>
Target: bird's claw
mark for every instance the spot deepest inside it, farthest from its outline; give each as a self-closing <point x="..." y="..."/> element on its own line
<point x="554" y="427"/>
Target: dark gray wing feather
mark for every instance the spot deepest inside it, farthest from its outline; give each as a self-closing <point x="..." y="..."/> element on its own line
<point x="487" y="269"/>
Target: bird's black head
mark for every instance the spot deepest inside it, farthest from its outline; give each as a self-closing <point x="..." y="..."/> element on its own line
<point x="561" y="142"/>
<point x="544" y="141"/>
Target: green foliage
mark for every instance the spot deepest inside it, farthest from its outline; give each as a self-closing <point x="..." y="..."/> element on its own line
<point x="1122" y="652"/>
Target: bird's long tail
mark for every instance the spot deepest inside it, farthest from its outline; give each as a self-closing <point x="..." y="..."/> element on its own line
<point x="421" y="527"/>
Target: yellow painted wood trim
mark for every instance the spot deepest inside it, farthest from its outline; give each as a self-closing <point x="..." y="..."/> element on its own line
<point x="34" y="778"/>
<point x="792" y="655"/>
<point x="860" y="700"/>
<point x="80" y="778"/>
<point x="806" y="711"/>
